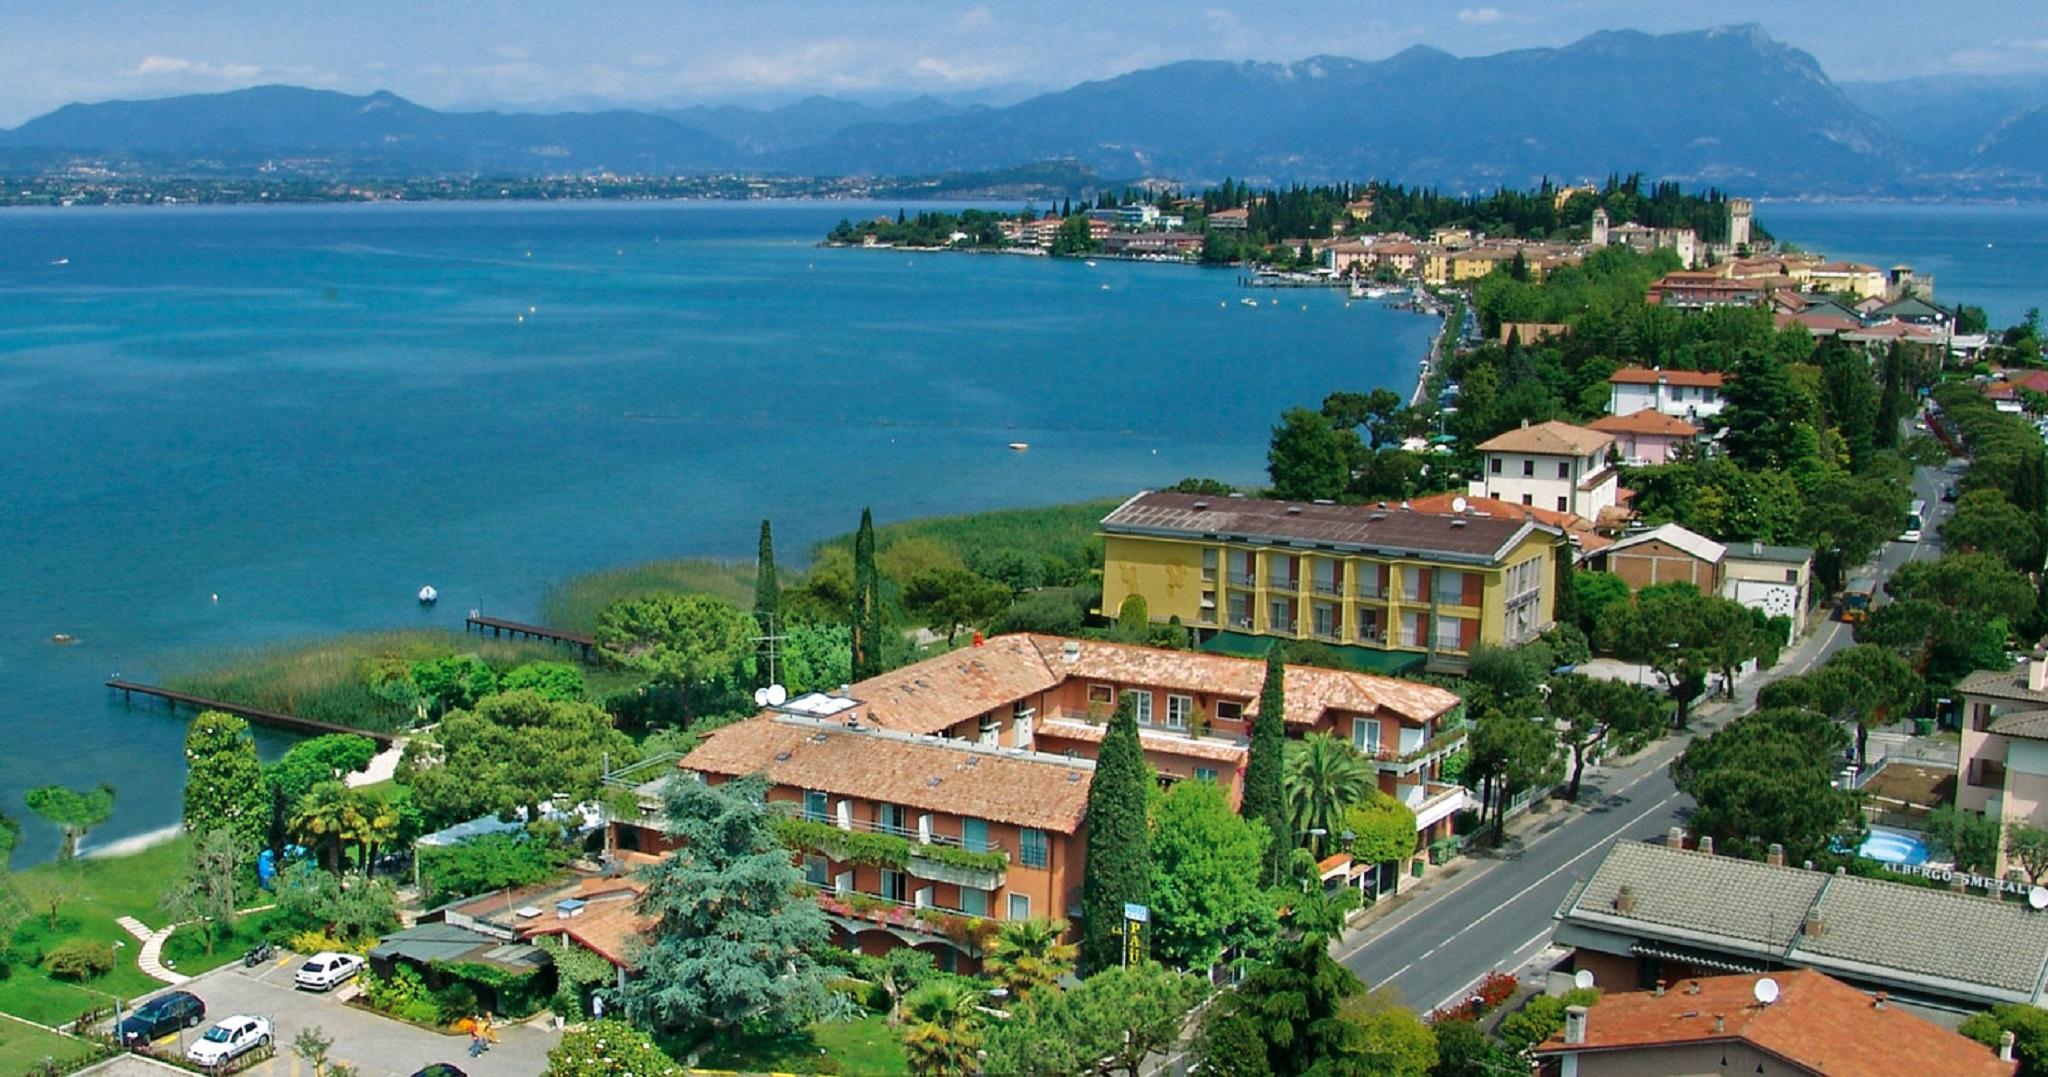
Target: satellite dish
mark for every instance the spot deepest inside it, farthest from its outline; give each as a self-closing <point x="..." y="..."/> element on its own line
<point x="1766" y="991"/>
<point x="760" y="697"/>
<point x="2037" y="897"/>
<point x="1459" y="504"/>
<point x="1583" y="979"/>
<point x="777" y="695"/>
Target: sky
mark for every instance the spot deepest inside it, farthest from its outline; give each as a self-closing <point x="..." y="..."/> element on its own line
<point x="548" y="54"/>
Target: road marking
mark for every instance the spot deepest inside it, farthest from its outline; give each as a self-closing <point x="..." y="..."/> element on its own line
<point x="1514" y="955"/>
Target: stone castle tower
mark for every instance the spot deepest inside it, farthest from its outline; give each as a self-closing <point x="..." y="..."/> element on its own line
<point x="1740" y="212"/>
<point x="1600" y="226"/>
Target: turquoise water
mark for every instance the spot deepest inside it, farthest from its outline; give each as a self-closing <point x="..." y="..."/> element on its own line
<point x="311" y="412"/>
<point x="1991" y="256"/>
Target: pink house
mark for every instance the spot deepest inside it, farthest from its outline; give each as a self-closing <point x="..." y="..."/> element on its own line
<point x="2002" y="770"/>
<point x="1646" y="437"/>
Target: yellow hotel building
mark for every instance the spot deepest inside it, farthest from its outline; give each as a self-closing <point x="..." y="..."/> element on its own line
<point x="1393" y="587"/>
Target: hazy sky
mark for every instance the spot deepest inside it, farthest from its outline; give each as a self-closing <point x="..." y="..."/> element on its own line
<point x="548" y="53"/>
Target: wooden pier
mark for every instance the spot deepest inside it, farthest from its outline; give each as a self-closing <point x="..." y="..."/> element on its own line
<point x="129" y="689"/>
<point x="497" y="626"/>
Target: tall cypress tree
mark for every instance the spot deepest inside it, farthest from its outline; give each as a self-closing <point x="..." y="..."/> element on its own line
<point x="867" y="605"/>
<point x="1265" y="797"/>
<point x="1119" y="865"/>
<point x="767" y="608"/>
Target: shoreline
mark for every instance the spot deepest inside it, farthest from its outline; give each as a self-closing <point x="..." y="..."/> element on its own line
<point x="134" y="843"/>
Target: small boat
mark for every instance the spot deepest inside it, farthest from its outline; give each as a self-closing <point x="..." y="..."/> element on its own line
<point x="1019" y="446"/>
<point x="1090" y="264"/>
<point x="429" y="596"/>
<point x="63" y="637"/>
<point x="67" y="261"/>
<point x="1105" y="287"/>
<point x="1249" y="301"/>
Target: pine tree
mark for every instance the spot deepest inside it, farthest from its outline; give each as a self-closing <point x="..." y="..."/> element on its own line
<point x="224" y="787"/>
<point x="1119" y="864"/>
<point x="1265" y="795"/>
<point x="867" y="605"/>
<point x="767" y="608"/>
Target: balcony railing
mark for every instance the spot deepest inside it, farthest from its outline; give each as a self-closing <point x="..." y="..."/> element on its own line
<point x="966" y="930"/>
<point x="1394" y="760"/>
<point x="1329" y="587"/>
<point x="943" y="858"/>
<point x="1243" y="579"/>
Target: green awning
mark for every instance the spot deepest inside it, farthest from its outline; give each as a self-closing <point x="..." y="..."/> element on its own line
<point x="1361" y="659"/>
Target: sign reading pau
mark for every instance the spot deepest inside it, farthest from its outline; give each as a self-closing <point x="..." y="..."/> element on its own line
<point x="1135" y="918"/>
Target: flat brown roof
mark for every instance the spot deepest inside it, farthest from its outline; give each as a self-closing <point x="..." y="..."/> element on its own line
<point x="1390" y="531"/>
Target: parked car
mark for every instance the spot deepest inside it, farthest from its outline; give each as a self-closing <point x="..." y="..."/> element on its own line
<point x="439" y="1069"/>
<point x="159" y="1017"/>
<point x="1948" y="493"/>
<point x="229" y="1038"/>
<point x="327" y="968"/>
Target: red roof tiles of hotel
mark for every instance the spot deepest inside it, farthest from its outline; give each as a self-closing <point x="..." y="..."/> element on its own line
<point x="1646" y="421"/>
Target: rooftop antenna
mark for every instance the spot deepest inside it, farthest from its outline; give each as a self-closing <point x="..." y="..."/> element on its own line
<point x="769" y="639"/>
<point x="1766" y="991"/>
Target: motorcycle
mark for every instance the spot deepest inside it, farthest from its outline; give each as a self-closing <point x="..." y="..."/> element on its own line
<point x="258" y="954"/>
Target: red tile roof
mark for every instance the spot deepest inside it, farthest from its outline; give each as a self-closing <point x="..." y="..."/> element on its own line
<point x="1818" y="1023"/>
<point x="1646" y="421"/>
<point x="1637" y="375"/>
<point x="1551" y="438"/>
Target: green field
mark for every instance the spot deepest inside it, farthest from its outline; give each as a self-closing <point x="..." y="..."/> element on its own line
<point x="867" y="1048"/>
<point x="185" y="952"/>
<point x="1059" y="531"/>
<point x="23" y="1046"/>
<point x="575" y="603"/>
<point x="102" y="889"/>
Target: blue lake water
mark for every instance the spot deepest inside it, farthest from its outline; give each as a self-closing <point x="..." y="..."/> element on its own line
<point x="311" y="412"/>
<point x="1991" y="256"/>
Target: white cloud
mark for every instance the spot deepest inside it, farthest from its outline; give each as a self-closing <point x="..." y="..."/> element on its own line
<point x="1479" y="16"/>
<point x="2008" y="56"/>
<point x="974" y="18"/>
<point x="178" y="66"/>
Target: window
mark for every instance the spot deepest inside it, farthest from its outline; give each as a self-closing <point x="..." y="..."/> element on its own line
<point x="1280" y="615"/>
<point x="1563" y="505"/>
<point x="1205" y="774"/>
<point x="1527" y="500"/>
<point x="1493" y="465"/>
<point x="1411" y="584"/>
<point x="1178" y="710"/>
<point x="1365" y="736"/>
<point x="974" y="835"/>
<point x="1370" y="628"/>
<point x="1372" y="581"/>
<point x="973" y="902"/>
<point x="1229" y="710"/>
<point x="1528" y="469"/>
<point x="1241" y="568"/>
<point x="895" y="885"/>
<point x="1564" y="470"/>
<point x="817" y="870"/>
<point x="1326" y="620"/>
<point x="1209" y="564"/>
<point x="1411" y="629"/>
<point x="1450" y="633"/>
<point x="1020" y="906"/>
<point x="892" y="819"/>
<point x="1240" y="610"/>
<point x="1031" y="848"/>
<point x="1791" y="575"/>
<point x="1980" y="716"/>
<point x="815" y="807"/>
<point x="1141" y="706"/>
<point x="1102" y="694"/>
<point x="1450" y="587"/>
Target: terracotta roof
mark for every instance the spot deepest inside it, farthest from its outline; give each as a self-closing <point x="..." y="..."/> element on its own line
<point x="1344" y="528"/>
<point x="1208" y="749"/>
<point x="1552" y="438"/>
<point x="1817" y="1023"/>
<point x="1639" y="375"/>
<point x="1646" y="421"/>
<point x="1506" y="510"/>
<point x="611" y="925"/>
<point x="928" y="773"/>
<point x="2006" y="684"/>
<point x="944" y="690"/>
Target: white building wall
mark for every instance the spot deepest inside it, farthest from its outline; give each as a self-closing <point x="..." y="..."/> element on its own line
<point x="1543" y="488"/>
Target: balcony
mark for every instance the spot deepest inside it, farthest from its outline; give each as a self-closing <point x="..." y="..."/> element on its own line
<point x="960" y="867"/>
<point x="940" y="858"/>
<point x="1243" y="579"/>
<point x="1394" y="761"/>
<point x="855" y="912"/>
<point x="1283" y="583"/>
<point x="1329" y="588"/>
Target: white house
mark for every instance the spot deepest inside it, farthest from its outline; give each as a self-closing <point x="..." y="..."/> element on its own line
<point x="1691" y="395"/>
<point x="1550" y="465"/>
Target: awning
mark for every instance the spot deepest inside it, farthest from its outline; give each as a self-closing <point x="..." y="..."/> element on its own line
<point x="1698" y="958"/>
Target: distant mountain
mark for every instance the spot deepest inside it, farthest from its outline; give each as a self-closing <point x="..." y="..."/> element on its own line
<point x="381" y="132"/>
<point x="1729" y="106"/>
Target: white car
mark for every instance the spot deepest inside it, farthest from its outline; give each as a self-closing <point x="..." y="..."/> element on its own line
<point x="229" y="1039"/>
<point x="327" y="968"/>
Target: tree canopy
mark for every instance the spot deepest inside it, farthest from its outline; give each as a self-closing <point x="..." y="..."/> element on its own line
<point x="687" y="638"/>
<point x="1769" y="778"/>
<point x="1205" y="877"/>
<point x="1119" y="855"/>
<point x="223" y="779"/>
<point x="516" y="750"/>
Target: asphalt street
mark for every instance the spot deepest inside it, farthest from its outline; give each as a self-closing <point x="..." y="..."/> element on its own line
<point x="1499" y="912"/>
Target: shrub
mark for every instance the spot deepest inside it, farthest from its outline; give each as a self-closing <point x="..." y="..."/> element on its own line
<point x="455" y="1001"/>
<point x="313" y="942"/>
<point x="402" y="995"/>
<point x="80" y="959"/>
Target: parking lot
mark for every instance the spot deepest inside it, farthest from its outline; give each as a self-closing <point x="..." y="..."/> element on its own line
<point x="376" y="1045"/>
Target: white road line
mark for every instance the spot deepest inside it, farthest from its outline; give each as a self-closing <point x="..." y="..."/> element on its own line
<point x="1514" y="961"/>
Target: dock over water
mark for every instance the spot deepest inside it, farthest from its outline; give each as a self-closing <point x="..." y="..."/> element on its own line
<point x="498" y="626"/>
<point x="129" y="689"/>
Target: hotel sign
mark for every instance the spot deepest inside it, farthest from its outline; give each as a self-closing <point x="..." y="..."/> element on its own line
<point x="1135" y="918"/>
<point x="1969" y="879"/>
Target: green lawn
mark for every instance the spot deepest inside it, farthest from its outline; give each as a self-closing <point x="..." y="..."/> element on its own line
<point x="23" y="1046"/>
<point x="867" y="1048"/>
<point x="186" y="952"/>
<point x="101" y="890"/>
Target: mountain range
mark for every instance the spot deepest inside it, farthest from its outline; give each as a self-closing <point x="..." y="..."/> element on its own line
<point x="1730" y="106"/>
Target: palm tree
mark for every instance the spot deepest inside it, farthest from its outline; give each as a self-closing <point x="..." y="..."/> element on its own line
<point x="1028" y="954"/>
<point x="328" y="817"/>
<point x="378" y="826"/>
<point x="1325" y="777"/>
<point x="942" y="1035"/>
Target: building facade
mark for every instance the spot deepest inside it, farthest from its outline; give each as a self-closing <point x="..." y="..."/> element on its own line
<point x="1690" y="395"/>
<point x="1550" y="465"/>
<point x="2002" y="770"/>
<point x="1409" y="584"/>
<point x="1647" y="437"/>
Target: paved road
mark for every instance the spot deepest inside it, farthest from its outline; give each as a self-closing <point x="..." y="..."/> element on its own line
<point x="1499" y="914"/>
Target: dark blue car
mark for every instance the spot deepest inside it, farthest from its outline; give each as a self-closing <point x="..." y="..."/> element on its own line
<point x="159" y="1017"/>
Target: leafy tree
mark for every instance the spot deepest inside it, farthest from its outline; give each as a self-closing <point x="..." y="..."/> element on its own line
<point x="1119" y="851"/>
<point x="1108" y="1025"/>
<point x="948" y="598"/>
<point x="329" y="818"/>
<point x="1595" y="593"/>
<point x="609" y="1048"/>
<point x="1381" y="1036"/>
<point x="311" y="1045"/>
<point x="1969" y="838"/>
<point x="767" y="608"/>
<point x="1591" y="708"/>
<point x="558" y="681"/>
<point x="47" y="891"/>
<point x="1325" y="777"/>
<point x="1028" y="955"/>
<point x="223" y="779"/>
<point x="1015" y="569"/>
<point x="352" y="908"/>
<point x="1762" y="407"/>
<point x="1285" y="1018"/>
<point x="488" y="862"/>
<point x="2029" y="1026"/>
<point x="1309" y="459"/>
<point x="1382" y="829"/>
<point x="1680" y="634"/>
<point x="1462" y="1050"/>
<point x="1265" y="796"/>
<point x="514" y="752"/>
<point x="1541" y="1018"/>
<point x="1768" y="778"/>
<point x="454" y="681"/>
<point x="941" y="1030"/>
<point x="733" y="937"/>
<point x="1511" y="753"/>
<point x="72" y="811"/>
<point x="816" y="656"/>
<point x="866" y="602"/>
<point x="679" y="639"/>
<point x="1205" y="877"/>
<point x="2028" y="844"/>
<point x="1864" y="686"/>
<point x="207" y="892"/>
<point x="1985" y="522"/>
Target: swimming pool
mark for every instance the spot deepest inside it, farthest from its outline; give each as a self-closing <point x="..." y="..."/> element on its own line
<point x="1894" y="846"/>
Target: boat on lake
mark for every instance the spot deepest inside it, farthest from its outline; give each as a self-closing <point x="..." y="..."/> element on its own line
<point x="1019" y="446"/>
<point x="429" y="596"/>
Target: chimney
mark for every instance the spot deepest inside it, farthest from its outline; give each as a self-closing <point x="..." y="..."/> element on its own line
<point x="1720" y="1024"/>
<point x="1674" y="838"/>
<point x="1660" y="989"/>
<point x="1812" y="928"/>
<point x="2005" y="1040"/>
<point x="1707" y="844"/>
<point x="1878" y="1003"/>
<point x="1575" y="1024"/>
<point x="1775" y="855"/>
<point x="1625" y="900"/>
<point x="1692" y="987"/>
<point x="2037" y="674"/>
